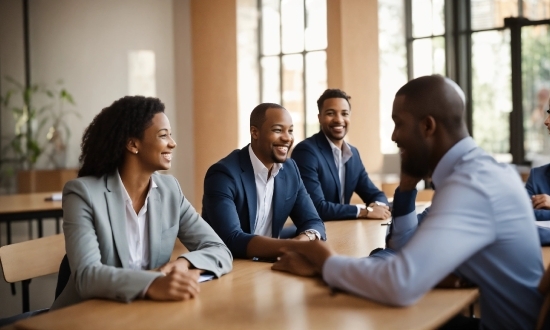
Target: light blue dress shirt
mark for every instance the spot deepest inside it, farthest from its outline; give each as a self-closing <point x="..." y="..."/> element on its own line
<point x="480" y="226"/>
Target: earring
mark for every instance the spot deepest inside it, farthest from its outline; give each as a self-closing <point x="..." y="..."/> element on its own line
<point x="136" y="152"/>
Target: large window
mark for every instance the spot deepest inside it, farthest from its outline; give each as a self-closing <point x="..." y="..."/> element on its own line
<point x="292" y="57"/>
<point x="393" y="64"/>
<point x="502" y="63"/>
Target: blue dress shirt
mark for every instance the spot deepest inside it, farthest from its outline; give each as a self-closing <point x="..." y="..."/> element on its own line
<point x="480" y="225"/>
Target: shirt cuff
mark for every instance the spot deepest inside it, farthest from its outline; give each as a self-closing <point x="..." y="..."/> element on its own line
<point x="385" y="254"/>
<point x="405" y="222"/>
<point x="331" y="269"/>
<point x="141" y="295"/>
<point x="318" y="234"/>
<point x="403" y="202"/>
<point x="359" y="208"/>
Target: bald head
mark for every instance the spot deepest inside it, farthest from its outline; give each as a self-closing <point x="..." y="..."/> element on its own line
<point x="438" y="97"/>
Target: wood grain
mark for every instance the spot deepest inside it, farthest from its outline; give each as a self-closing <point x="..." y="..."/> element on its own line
<point x="253" y="296"/>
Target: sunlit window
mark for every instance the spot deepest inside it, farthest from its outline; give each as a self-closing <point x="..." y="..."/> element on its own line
<point x="536" y="91"/>
<point x="393" y="65"/>
<point x="492" y="91"/>
<point x="476" y="52"/>
<point x="293" y="42"/>
<point x="141" y="73"/>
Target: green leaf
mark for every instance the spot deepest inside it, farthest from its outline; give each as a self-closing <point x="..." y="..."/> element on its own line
<point x="15" y="82"/>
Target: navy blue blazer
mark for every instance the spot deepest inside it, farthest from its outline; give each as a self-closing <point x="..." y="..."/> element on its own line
<point x="229" y="201"/>
<point x="316" y="163"/>
<point x="539" y="183"/>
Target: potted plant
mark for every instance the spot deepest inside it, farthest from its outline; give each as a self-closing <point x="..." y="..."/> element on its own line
<point x="39" y="128"/>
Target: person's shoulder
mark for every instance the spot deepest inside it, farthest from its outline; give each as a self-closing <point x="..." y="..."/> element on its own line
<point x="230" y="165"/>
<point x="541" y="169"/>
<point x="309" y="144"/>
<point x="87" y="181"/>
<point x="353" y="149"/>
<point x="164" y="179"/>
<point x="291" y="167"/>
<point x="231" y="159"/>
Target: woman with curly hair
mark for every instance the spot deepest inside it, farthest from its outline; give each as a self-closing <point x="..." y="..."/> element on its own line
<point x="121" y="218"/>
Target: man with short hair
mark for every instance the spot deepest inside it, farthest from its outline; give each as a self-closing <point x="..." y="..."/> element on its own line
<point x="249" y="194"/>
<point x="332" y="169"/>
<point x="480" y="225"/>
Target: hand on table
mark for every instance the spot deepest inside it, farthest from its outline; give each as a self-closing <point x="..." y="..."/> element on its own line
<point x="305" y="259"/>
<point x="176" y="285"/>
<point x="301" y="237"/>
<point x="181" y="264"/>
<point x="378" y="212"/>
<point x="541" y="201"/>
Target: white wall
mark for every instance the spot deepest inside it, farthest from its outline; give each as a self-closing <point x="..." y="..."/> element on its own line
<point x="86" y="44"/>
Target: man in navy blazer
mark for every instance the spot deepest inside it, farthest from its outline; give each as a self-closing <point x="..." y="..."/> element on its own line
<point x="538" y="188"/>
<point x="332" y="169"/>
<point x="249" y="194"/>
<point x="538" y="185"/>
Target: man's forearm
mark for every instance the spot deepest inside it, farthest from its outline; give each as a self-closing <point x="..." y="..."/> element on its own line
<point x="267" y="247"/>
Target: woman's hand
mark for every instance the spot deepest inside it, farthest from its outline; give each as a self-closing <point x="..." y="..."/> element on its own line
<point x="181" y="264"/>
<point x="176" y="285"/>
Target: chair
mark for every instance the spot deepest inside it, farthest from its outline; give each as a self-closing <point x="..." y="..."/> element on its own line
<point x="544" y="288"/>
<point x="24" y="261"/>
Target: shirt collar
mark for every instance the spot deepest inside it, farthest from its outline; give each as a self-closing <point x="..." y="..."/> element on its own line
<point x="127" y="198"/>
<point x="445" y="166"/>
<point x="259" y="167"/>
<point x="346" y="150"/>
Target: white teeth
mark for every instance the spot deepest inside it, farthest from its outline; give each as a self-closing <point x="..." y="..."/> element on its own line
<point x="167" y="156"/>
<point x="283" y="149"/>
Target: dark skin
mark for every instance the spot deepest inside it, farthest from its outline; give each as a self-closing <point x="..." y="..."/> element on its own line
<point x="334" y="119"/>
<point x="143" y="157"/>
<point x="271" y="143"/>
<point x="421" y="129"/>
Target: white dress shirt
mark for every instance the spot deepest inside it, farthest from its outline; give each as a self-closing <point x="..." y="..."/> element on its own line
<point x="341" y="156"/>
<point x="480" y="225"/>
<point x="264" y="191"/>
<point x="137" y="230"/>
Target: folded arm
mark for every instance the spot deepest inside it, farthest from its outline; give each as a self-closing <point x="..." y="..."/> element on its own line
<point x="92" y="278"/>
<point x="401" y="280"/>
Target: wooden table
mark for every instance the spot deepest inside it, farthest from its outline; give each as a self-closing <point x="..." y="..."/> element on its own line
<point x="28" y="207"/>
<point x="253" y="296"/>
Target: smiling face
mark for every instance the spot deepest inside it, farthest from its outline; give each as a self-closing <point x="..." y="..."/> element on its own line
<point x="334" y="119"/>
<point x="413" y="149"/>
<point x="155" y="148"/>
<point x="272" y="141"/>
<point x="547" y="120"/>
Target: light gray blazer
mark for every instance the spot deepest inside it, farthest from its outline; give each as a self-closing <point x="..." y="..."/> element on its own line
<point x="94" y="222"/>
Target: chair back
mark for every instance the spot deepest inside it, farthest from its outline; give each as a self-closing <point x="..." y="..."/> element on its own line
<point x="544" y="288"/>
<point x="30" y="259"/>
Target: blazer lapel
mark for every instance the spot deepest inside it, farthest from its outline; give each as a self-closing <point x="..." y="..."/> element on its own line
<point x="249" y="184"/>
<point x="278" y="201"/>
<point x="326" y="151"/>
<point x="116" y="209"/>
<point x="350" y="185"/>
<point x="154" y="212"/>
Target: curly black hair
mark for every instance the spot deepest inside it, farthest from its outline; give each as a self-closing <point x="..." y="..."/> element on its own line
<point x="104" y="140"/>
<point x="331" y="94"/>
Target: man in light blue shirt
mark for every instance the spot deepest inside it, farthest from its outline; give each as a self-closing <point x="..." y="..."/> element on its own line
<point x="480" y="225"/>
